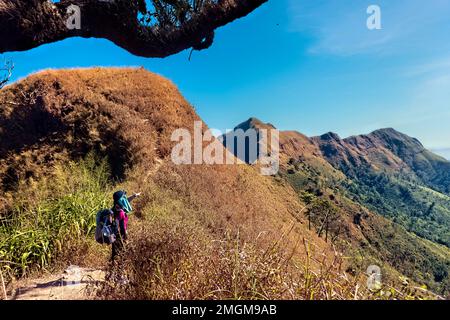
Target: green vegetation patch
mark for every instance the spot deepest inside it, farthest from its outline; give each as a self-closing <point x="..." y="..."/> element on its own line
<point x="53" y="217"/>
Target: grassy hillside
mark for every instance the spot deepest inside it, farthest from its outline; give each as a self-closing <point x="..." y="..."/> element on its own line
<point x="368" y="235"/>
<point x="394" y="175"/>
<point x="350" y="186"/>
<point x="69" y="138"/>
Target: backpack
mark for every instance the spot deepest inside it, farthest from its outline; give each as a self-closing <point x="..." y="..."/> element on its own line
<point x="121" y="199"/>
<point x="104" y="233"/>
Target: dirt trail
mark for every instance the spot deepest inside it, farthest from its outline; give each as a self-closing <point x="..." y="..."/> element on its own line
<point x="74" y="283"/>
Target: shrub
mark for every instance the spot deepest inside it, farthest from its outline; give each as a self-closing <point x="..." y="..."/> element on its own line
<point x="171" y="258"/>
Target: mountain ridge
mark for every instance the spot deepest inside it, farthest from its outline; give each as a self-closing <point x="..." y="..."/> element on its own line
<point x="397" y="151"/>
<point x="373" y="177"/>
<point x="69" y="138"/>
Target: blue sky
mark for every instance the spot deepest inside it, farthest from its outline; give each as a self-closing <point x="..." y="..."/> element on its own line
<point x="306" y="65"/>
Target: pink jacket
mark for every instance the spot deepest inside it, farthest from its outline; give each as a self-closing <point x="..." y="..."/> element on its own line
<point x="122" y="219"/>
<point x="123" y="216"/>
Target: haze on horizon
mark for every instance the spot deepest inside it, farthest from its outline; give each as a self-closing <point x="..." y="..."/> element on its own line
<point x="311" y="66"/>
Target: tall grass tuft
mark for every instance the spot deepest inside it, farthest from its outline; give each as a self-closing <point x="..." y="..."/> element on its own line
<point x="53" y="217"/>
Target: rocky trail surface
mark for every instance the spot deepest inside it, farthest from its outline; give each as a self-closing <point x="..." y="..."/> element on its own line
<point x="75" y="283"/>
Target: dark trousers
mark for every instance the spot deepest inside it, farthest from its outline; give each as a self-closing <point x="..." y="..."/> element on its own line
<point x="121" y="236"/>
<point x="117" y="248"/>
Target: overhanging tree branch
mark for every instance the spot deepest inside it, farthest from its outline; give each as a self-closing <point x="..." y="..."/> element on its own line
<point x="26" y="24"/>
<point x="6" y="73"/>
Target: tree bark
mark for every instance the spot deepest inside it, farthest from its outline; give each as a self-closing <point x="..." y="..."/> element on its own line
<point x="26" y="24"/>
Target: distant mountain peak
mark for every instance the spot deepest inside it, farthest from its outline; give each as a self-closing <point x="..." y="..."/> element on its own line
<point x="254" y="123"/>
<point x="386" y="131"/>
<point x="391" y="136"/>
<point x="330" y="136"/>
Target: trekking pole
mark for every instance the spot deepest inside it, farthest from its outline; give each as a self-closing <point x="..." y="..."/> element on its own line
<point x="3" y="285"/>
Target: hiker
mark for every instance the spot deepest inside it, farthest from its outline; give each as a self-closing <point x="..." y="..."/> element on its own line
<point x="120" y="210"/>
